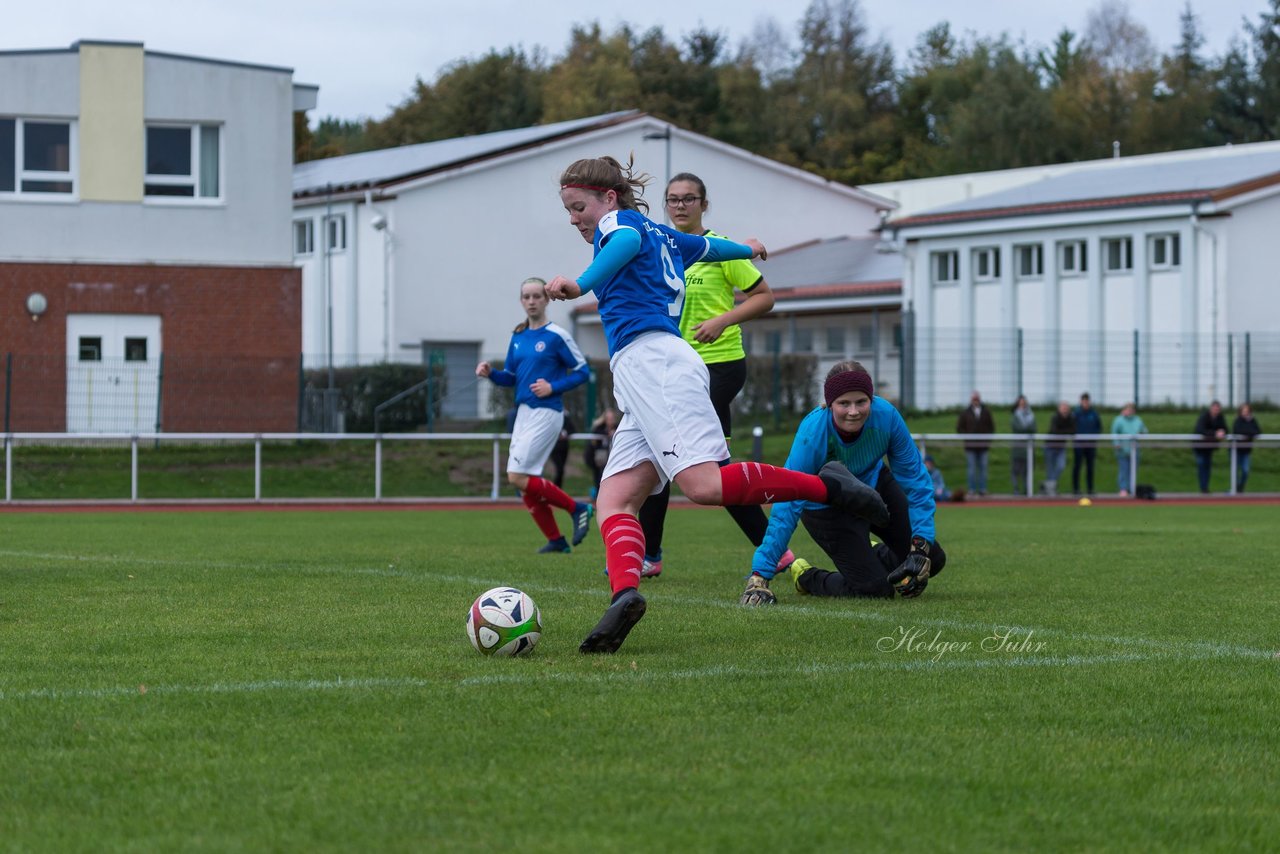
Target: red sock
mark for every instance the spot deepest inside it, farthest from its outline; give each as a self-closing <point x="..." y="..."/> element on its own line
<point x="549" y="493"/>
<point x="623" y="549"/>
<point x="542" y="515"/>
<point x="757" y="483"/>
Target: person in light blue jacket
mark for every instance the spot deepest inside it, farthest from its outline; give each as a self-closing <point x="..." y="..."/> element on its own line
<point x="858" y="430"/>
<point x="1128" y="423"/>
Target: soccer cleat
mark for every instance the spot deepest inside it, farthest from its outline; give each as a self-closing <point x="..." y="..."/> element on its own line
<point x="616" y="624"/>
<point x="799" y="567"/>
<point x="581" y="521"/>
<point x="652" y="567"/>
<point x="556" y="546"/>
<point x="757" y="592"/>
<point x="847" y="492"/>
<point x="788" y="557"/>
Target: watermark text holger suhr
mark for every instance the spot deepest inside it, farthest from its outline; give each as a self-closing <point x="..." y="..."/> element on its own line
<point x="917" y="640"/>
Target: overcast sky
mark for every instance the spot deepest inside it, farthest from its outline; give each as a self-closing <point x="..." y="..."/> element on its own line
<point x="365" y="54"/>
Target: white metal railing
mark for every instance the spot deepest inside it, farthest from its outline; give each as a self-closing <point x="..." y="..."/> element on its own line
<point x="1032" y="443"/>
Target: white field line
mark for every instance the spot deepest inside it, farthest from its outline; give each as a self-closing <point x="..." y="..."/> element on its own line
<point x="1162" y="649"/>
<point x="620" y="677"/>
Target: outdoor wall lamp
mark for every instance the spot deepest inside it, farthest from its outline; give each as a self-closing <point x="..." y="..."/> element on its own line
<point x="36" y="304"/>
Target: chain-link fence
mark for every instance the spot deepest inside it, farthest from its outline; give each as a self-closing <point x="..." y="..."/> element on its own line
<point x="439" y="391"/>
<point x="1147" y="369"/>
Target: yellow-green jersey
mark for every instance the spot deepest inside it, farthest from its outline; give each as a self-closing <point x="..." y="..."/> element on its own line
<point x="708" y="292"/>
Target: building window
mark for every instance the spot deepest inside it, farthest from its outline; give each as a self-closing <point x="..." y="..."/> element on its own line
<point x="1073" y="258"/>
<point x="802" y="341"/>
<point x="897" y="336"/>
<point x="36" y="157"/>
<point x="1118" y="253"/>
<point x="986" y="264"/>
<point x="835" y="339"/>
<point x="304" y="236"/>
<point x="773" y="341"/>
<point x="183" y="161"/>
<point x="1166" y="252"/>
<point x="335" y="233"/>
<point x="1030" y="260"/>
<point x="946" y="267"/>
<point x="135" y="349"/>
<point x="866" y="339"/>
<point x="90" y="349"/>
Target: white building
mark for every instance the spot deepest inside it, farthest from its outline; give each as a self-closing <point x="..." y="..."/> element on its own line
<point x="1134" y="279"/>
<point x="144" y="214"/>
<point x="422" y="248"/>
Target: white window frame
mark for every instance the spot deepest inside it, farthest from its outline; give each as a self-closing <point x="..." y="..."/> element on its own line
<point x="22" y="174"/>
<point x="948" y="259"/>
<point x="306" y="230"/>
<point x="1117" y="262"/>
<point x="335" y="233"/>
<point x="866" y="343"/>
<point x="192" y="180"/>
<point x="1029" y="252"/>
<point x="833" y="339"/>
<point x="1170" y="245"/>
<point x="1078" y="249"/>
<point x="988" y="257"/>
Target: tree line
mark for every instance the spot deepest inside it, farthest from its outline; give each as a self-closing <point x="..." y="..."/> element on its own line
<point x="838" y="103"/>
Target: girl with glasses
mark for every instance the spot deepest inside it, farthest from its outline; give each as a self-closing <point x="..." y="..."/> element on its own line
<point x="710" y="322"/>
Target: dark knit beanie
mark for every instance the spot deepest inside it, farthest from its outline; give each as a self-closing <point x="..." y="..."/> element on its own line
<point x="847" y="381"/>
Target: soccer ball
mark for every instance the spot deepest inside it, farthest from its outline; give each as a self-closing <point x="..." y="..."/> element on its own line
<point x="504" y="621"/>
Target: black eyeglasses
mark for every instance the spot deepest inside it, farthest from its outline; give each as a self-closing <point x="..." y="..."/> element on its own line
<point x="682" y="201"/>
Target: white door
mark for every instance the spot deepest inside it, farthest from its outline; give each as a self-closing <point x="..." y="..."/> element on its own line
<point x="113" y="373"/>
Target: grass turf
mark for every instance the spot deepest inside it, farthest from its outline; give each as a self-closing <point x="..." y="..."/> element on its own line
<point x="1077" y="678"/>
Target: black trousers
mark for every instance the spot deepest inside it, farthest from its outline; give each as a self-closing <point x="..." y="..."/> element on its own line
<point x="727" y="379"/>
<point x="861" y="570"/>
<point x="1086" y="457"/>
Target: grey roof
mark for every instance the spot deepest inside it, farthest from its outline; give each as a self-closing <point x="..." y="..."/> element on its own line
<point x="1152" y="181"/>
<point x="370" y="169"/>
<point x="834" y="261"/>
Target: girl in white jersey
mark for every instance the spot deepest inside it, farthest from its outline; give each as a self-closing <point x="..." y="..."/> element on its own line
<point x="669" y="429"/>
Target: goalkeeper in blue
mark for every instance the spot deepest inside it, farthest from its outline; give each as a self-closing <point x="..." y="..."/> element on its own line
<point x="858" y="430"/>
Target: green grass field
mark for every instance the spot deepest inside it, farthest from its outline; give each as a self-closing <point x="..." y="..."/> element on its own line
<point x="1078" y="679"/>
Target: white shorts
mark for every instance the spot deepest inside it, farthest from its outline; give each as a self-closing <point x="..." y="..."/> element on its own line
<point x="664" y="392"/>
<point x="534" y="435"/>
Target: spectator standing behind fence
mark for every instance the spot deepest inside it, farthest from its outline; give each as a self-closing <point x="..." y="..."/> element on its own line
<point x="976" y="418"/>
<point x="1127" y="424"/>
<point x="1061" y="425"/>
<point x="1212" y="429"/>
<point x="1088" y="423"/>
<point x="596" y="455"/>
<point x="1023" y="422"/>
<point x="1246" y="428"/>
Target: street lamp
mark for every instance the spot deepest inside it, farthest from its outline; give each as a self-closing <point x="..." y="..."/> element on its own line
<point x="665" y="135"/>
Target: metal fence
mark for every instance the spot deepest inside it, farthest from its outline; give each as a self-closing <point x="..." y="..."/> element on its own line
<point x="132" y="446"/>
<point x="1047" y="366"/>
<point x="209" y="393"/>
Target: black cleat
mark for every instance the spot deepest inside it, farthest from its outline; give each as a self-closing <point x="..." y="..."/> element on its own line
<point x="848" y="493"/>
<point x="616" y="623"/>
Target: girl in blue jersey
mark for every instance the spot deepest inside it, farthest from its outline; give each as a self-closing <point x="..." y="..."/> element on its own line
<point x="856" y="429"/>
<point x="543" y="362"/>
<point x="669" y="429"/>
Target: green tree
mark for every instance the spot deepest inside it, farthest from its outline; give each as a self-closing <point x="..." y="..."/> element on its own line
<point x="596" y="75"/>
<point x="1182" y="104"/>
<point x="1265" y="37"/>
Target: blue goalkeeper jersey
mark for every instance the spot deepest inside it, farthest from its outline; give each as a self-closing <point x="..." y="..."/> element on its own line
<point x="818" y="442"/>
<point x="547" y="353"/>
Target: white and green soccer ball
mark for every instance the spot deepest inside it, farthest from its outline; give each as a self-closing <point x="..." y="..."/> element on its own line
<point x="504" y="621"/>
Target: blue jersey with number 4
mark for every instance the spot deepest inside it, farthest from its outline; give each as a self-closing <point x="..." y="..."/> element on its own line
<point x="647" y="294"/>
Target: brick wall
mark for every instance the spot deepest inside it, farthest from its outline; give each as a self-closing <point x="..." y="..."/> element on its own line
<point x="230" y="337"/>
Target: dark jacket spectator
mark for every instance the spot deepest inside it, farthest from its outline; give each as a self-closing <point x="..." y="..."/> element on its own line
<point x="976" y="418"/>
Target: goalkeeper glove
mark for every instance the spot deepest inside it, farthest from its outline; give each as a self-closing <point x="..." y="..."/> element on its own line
<point x="912" y="575"/>
<point x="757" y="592"/>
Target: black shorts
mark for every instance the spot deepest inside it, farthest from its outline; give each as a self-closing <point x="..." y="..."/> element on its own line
<point x="727" y="379"/>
